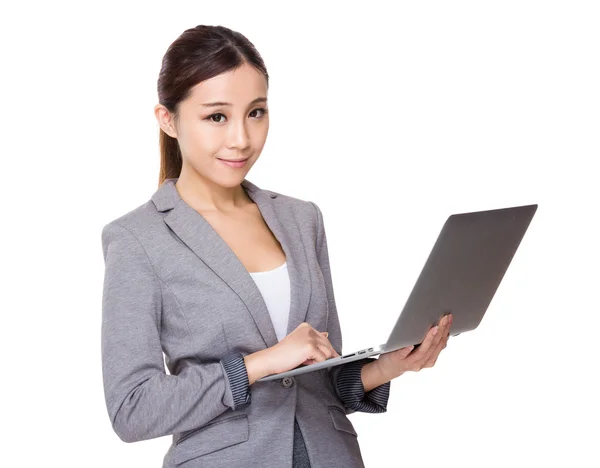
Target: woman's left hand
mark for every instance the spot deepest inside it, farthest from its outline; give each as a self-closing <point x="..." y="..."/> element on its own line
<point x="394" y="364"/>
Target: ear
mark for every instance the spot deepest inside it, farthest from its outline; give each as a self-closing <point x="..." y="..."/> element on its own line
<point x="165" y="120"/>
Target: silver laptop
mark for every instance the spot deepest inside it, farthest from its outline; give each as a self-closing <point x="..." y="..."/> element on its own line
<point x="461" y="276"/>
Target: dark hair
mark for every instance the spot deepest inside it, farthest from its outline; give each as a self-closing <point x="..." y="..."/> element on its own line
<point x="197" y="55"/>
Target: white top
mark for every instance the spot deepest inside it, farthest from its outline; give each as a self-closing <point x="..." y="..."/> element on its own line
<point x="274" y="286"/>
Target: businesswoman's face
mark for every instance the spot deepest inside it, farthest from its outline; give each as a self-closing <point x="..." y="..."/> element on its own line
<point x="224" y="118"/>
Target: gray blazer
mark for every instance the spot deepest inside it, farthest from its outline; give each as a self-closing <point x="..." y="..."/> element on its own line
<point x="173" y="286"/>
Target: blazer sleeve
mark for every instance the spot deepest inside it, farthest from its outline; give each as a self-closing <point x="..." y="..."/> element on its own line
<point x="143" y="401"/>
<point x="346" y="378"/>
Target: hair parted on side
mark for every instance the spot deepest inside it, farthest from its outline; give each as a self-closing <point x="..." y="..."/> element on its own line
<point x="198" y="54"/>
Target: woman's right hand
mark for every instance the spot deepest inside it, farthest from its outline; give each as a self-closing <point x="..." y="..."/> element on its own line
<point x="304" y="345"/>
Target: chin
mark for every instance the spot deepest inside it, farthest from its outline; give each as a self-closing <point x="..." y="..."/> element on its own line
<point x="232" y="180"/>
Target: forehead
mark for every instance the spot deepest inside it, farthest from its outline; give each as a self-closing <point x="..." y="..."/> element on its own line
<point x="238" y="87"/>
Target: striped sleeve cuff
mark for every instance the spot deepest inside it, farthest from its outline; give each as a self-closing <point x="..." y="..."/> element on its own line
<point x="352" y="393"/>
<point x="237" y="374"/>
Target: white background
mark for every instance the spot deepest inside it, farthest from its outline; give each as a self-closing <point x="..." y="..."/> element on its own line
<point x="390" y="116"/>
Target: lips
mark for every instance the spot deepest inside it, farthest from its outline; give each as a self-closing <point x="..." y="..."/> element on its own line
<point x="234" y="163"/>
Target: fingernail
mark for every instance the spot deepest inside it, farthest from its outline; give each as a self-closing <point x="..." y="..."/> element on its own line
<point x="435" y="331"/>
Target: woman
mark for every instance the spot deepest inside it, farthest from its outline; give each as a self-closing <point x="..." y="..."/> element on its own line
<point x="232" y="283"/>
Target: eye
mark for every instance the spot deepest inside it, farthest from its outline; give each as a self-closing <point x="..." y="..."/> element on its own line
<point x="219" y="114"/>
<point x="262" y="109"/>
<point x="210" y="117"/>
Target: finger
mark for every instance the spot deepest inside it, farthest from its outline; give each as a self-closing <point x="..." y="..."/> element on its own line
<point x="423" y="350"/>
<point x="328" y="351"/>
<point x="431" y="342"/>
<point x="445" y="342"/>
<point x="432" y="359"/>
<point x="448" y="335"/>
<point x="322" y="340"/>
<point x="441" y="338"/>
<point x="449" y="326"/>
<point x="326" y="335"/>
<point x="316" y="354"/>
<point x="322" y="353"/>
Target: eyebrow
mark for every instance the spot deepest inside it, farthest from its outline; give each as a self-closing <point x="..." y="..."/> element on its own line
<point x="220" y="103"/>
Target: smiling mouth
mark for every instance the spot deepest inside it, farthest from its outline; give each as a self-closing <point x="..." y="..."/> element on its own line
<point x="233" y="160"/>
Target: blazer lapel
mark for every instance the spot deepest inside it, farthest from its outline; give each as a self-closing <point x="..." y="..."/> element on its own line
<point x="195" y="232"/>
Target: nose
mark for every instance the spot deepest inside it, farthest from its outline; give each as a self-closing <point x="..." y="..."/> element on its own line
<point x="238" y="135"/>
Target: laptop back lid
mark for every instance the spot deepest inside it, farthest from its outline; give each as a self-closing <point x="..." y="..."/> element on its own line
<point x="462" y="273"/>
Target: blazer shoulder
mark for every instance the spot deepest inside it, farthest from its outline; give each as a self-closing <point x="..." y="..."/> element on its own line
<point x="295" y="203"/>
<point x="138" y="220"/>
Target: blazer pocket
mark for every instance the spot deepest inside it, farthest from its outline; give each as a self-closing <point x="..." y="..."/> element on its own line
<point x="211" y="437"/>
<point x="340" y="420"/>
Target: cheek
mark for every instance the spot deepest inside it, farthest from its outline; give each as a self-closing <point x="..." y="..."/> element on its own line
<point x="200" y="141"/>
<point x="259" y="136"/>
